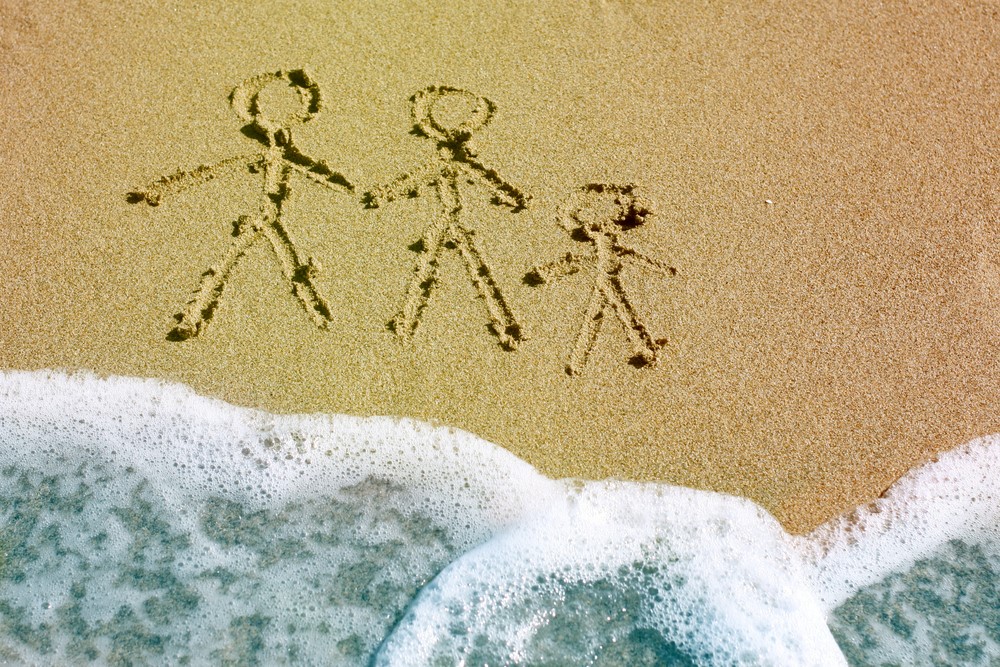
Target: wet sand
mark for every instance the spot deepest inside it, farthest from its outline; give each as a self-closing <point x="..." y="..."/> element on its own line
<point x="822" y="177"/>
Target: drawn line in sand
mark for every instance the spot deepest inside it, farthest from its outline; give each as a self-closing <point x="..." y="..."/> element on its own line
<point x="598" y="214"/>
<point x="438" y="115"/>
<point x="278" y="162"/>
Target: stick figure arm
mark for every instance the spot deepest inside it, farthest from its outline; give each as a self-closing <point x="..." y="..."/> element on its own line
<point x="407" y="185"/>
<point x="180" y="181"/>
<point x="566" y="265"/>
<point x="655" y="264"/>
<point x="317" y="171"/>
<point x="504" y="194"/>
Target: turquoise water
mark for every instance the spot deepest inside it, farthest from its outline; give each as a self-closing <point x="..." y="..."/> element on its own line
<point x="142" y="524"/>
<point x="945" y="610"/>
<point x="98" y="568"/>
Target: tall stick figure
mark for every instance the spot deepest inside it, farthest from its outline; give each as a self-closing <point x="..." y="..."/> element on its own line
<point x="598" y="214"/>
<point x="278" y="162"/>
<point x="454" y="167"/>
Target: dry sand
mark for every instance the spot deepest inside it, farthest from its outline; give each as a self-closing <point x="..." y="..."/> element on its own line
<point x="822" y="175"/>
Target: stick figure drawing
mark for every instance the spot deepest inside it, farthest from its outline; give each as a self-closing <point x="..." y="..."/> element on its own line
<point x="598" y="214"/>
<point x="278" y="162"/>
<point x="454" y="167"/>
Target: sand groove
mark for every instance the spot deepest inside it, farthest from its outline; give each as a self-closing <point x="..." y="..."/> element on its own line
<point x="280" y="159"/>
<point x="455" y="162"/>
<point x="598" y="214"/>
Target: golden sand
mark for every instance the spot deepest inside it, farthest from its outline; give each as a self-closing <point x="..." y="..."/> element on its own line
<point x="822" y="177"/>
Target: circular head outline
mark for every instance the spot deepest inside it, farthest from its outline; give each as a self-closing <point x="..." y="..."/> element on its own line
<point x="423" y="113"/>
<point x="633" y="209"/>
<point x="245" y="99"/>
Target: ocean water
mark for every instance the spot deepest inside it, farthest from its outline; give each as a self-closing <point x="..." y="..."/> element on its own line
<point x="143" y="524"/>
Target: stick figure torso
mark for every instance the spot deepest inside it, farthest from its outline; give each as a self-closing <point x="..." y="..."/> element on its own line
<point x="603" y="214"/>
<point x="278" y="162"/>
<point x="454" y="167"/>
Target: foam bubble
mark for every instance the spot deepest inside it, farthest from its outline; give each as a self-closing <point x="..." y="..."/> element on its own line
<point x="139" y="521"/>
<point x="620" y="573"/>
<point x="914" y="577"/>
<point x="951" y="498"/>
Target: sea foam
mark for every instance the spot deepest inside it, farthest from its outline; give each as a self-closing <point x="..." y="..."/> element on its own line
<point x="140" y="522"/>
<point x="914" y="577"/>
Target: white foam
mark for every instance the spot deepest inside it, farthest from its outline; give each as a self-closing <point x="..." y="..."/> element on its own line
<point x="712" y="573"/>
<point x="283" y="534"/>
<point x="955" y="497"/>
<point x="352" y="512"/>
<point x="197" y="445"/>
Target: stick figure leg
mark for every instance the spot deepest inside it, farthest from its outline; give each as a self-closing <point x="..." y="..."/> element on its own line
<point x="300" y="274"/>
<point x="201" y="308"/>
<point x="418" y="291"/>
<point x="502" y="320"/>
<point x="589" y="330"/>
<point x="642" y="342"/>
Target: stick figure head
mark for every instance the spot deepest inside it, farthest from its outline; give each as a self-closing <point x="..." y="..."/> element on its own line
<point x="251" y="103"/>
<point x="450" y="115"/>
<point x="604" y="208"/>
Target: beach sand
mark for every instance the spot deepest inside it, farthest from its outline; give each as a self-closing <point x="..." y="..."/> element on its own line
<point x="822" y="176"/>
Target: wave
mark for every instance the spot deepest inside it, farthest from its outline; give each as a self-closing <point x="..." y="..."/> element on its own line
<point x="141" y="522"/>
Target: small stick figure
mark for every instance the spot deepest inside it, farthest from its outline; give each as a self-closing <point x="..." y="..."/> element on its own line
<point x="454" y="167"/>
<point x="598" y="214"/>
<point x="279" y="160"/>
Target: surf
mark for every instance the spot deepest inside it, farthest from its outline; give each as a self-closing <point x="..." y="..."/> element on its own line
<point x="141" y="521"/>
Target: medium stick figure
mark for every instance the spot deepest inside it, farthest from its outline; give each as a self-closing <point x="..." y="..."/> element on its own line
<point x="598" y="214"/>
<point x="279" y="160"/>
<point x="454" y="167"/>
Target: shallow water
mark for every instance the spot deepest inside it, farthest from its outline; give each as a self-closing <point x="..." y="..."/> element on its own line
<point x="945" y="610"/>
<point x="143" y="524"/>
